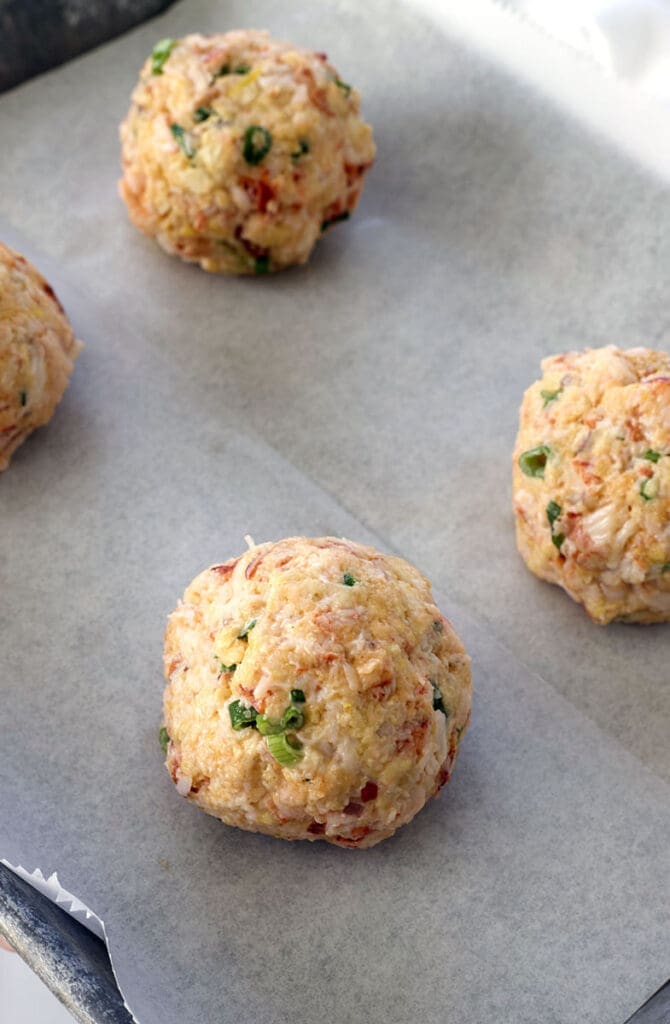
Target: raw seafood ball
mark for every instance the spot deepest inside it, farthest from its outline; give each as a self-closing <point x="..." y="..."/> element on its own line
<point x="239" y="151"/>
<point x="314" y="691"/>
<point x="37" y="351"/>
<point x="592" y="481"/>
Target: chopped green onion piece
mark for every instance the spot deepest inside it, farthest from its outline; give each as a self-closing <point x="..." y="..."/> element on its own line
<point x="438" y="703"/>
<point x="241" y="69"/>
<point x="550" y="396"/>
<point x="202" y="113"/>
<point x="333" y="220"/>
<point x="346" y="89"/>
<point x="160" y="54"/>
<point x="256" y="144"/>
<point x="268" y="726"/>
<point x="459" y="732"/>
<point x="665" y="567"/>
<point x="533" y="461"/>
<point x="183" y="141"/>
<point x="23" y="397"/>
<point x="298" y="696"/>
<point x="348" y="579"/>
<point x="303" y="147"/>
<point x="226" y="668"/>
<point x="652" y="455"/>
<point x="649" y="488"/>
<point x="553" y="512"/>
<point x="285" y="749"/>
<point x="163" y="739"/>
<point x="244" y="632"/>
<point x="241" y="715"/>
<point x="293" y="718"/>
<point x="262" y="265"/>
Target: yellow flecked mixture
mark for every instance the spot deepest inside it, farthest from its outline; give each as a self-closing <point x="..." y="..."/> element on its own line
<point x="385" y="680"/>
<point x="37" y="351"/>
<point x="238" y="151"/>
<point x="592" y="481"/>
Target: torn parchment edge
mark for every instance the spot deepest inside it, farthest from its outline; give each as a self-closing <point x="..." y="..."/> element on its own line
<point x="72" y="905"/>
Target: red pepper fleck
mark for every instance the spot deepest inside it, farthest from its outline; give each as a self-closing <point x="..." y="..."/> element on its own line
<point x="52" y="295"/>
<point x="354" y="809"/>
<point x="369" y="792"/>
<point x="259" y="191"/>
<point x="253" y="565"/>
<point x="225" y="569"/>
<point x="257" y="251"/>
<point x="197" y="786"/>
<point x="317" y="828"/>
<point x="357" y="834"/>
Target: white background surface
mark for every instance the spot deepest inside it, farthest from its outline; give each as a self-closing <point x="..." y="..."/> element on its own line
<point x="630" y="40"/>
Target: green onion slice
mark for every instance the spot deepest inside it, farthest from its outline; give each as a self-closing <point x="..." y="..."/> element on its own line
<point x="256" y="144"/>
<point x="533" y="461"/>
<point x="160" y="54"/>
<point x="554" y="510"/>
<point x="262" y="265"/>
<point x="23" y="397"/>
<point x="183" y="141"/>
<point x="665" y="567"/>
<point x="333" y="220"/>
<point x="649" y="488"/>
<point x="246" y="629"/>
<point x="202" y="113"/>
<point x="346" y="89"/>
<point x="652" y="455"/>
<point x="348" y="579"/>
<point x="241" y="715"/>
<point x="268" y="726"/>
<point x="285" y="749"/>
<point x="438" y="702"/>
<point x="240" y="69"/>
<point x="550" y="396"/>
<point x="226" y="668"/>
<point x="163" y="739"/>
<point x="298" y="696"/>
<point x="293" y="719"/>
<point x="303" y="147"/>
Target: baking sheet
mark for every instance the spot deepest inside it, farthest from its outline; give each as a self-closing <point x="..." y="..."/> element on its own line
<point x="382" y="379"/>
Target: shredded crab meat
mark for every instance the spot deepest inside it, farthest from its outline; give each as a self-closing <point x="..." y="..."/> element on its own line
<point x="605" y="480"/>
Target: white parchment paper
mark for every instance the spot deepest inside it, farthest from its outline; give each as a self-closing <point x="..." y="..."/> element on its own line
<point x="373" y="394"/>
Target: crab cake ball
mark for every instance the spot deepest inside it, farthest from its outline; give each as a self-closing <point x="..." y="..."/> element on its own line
<point x="592" y="481"/>
<point x="239" y="151"/>
<point x="37" y="351"/>
<point x="314" y="692"/>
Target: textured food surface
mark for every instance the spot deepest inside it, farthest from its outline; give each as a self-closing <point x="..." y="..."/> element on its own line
<point x="37" y="351"/>
<point x="592" y="480"/>
<point x="238" y="151"/>
<point x="385" y="680"/>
